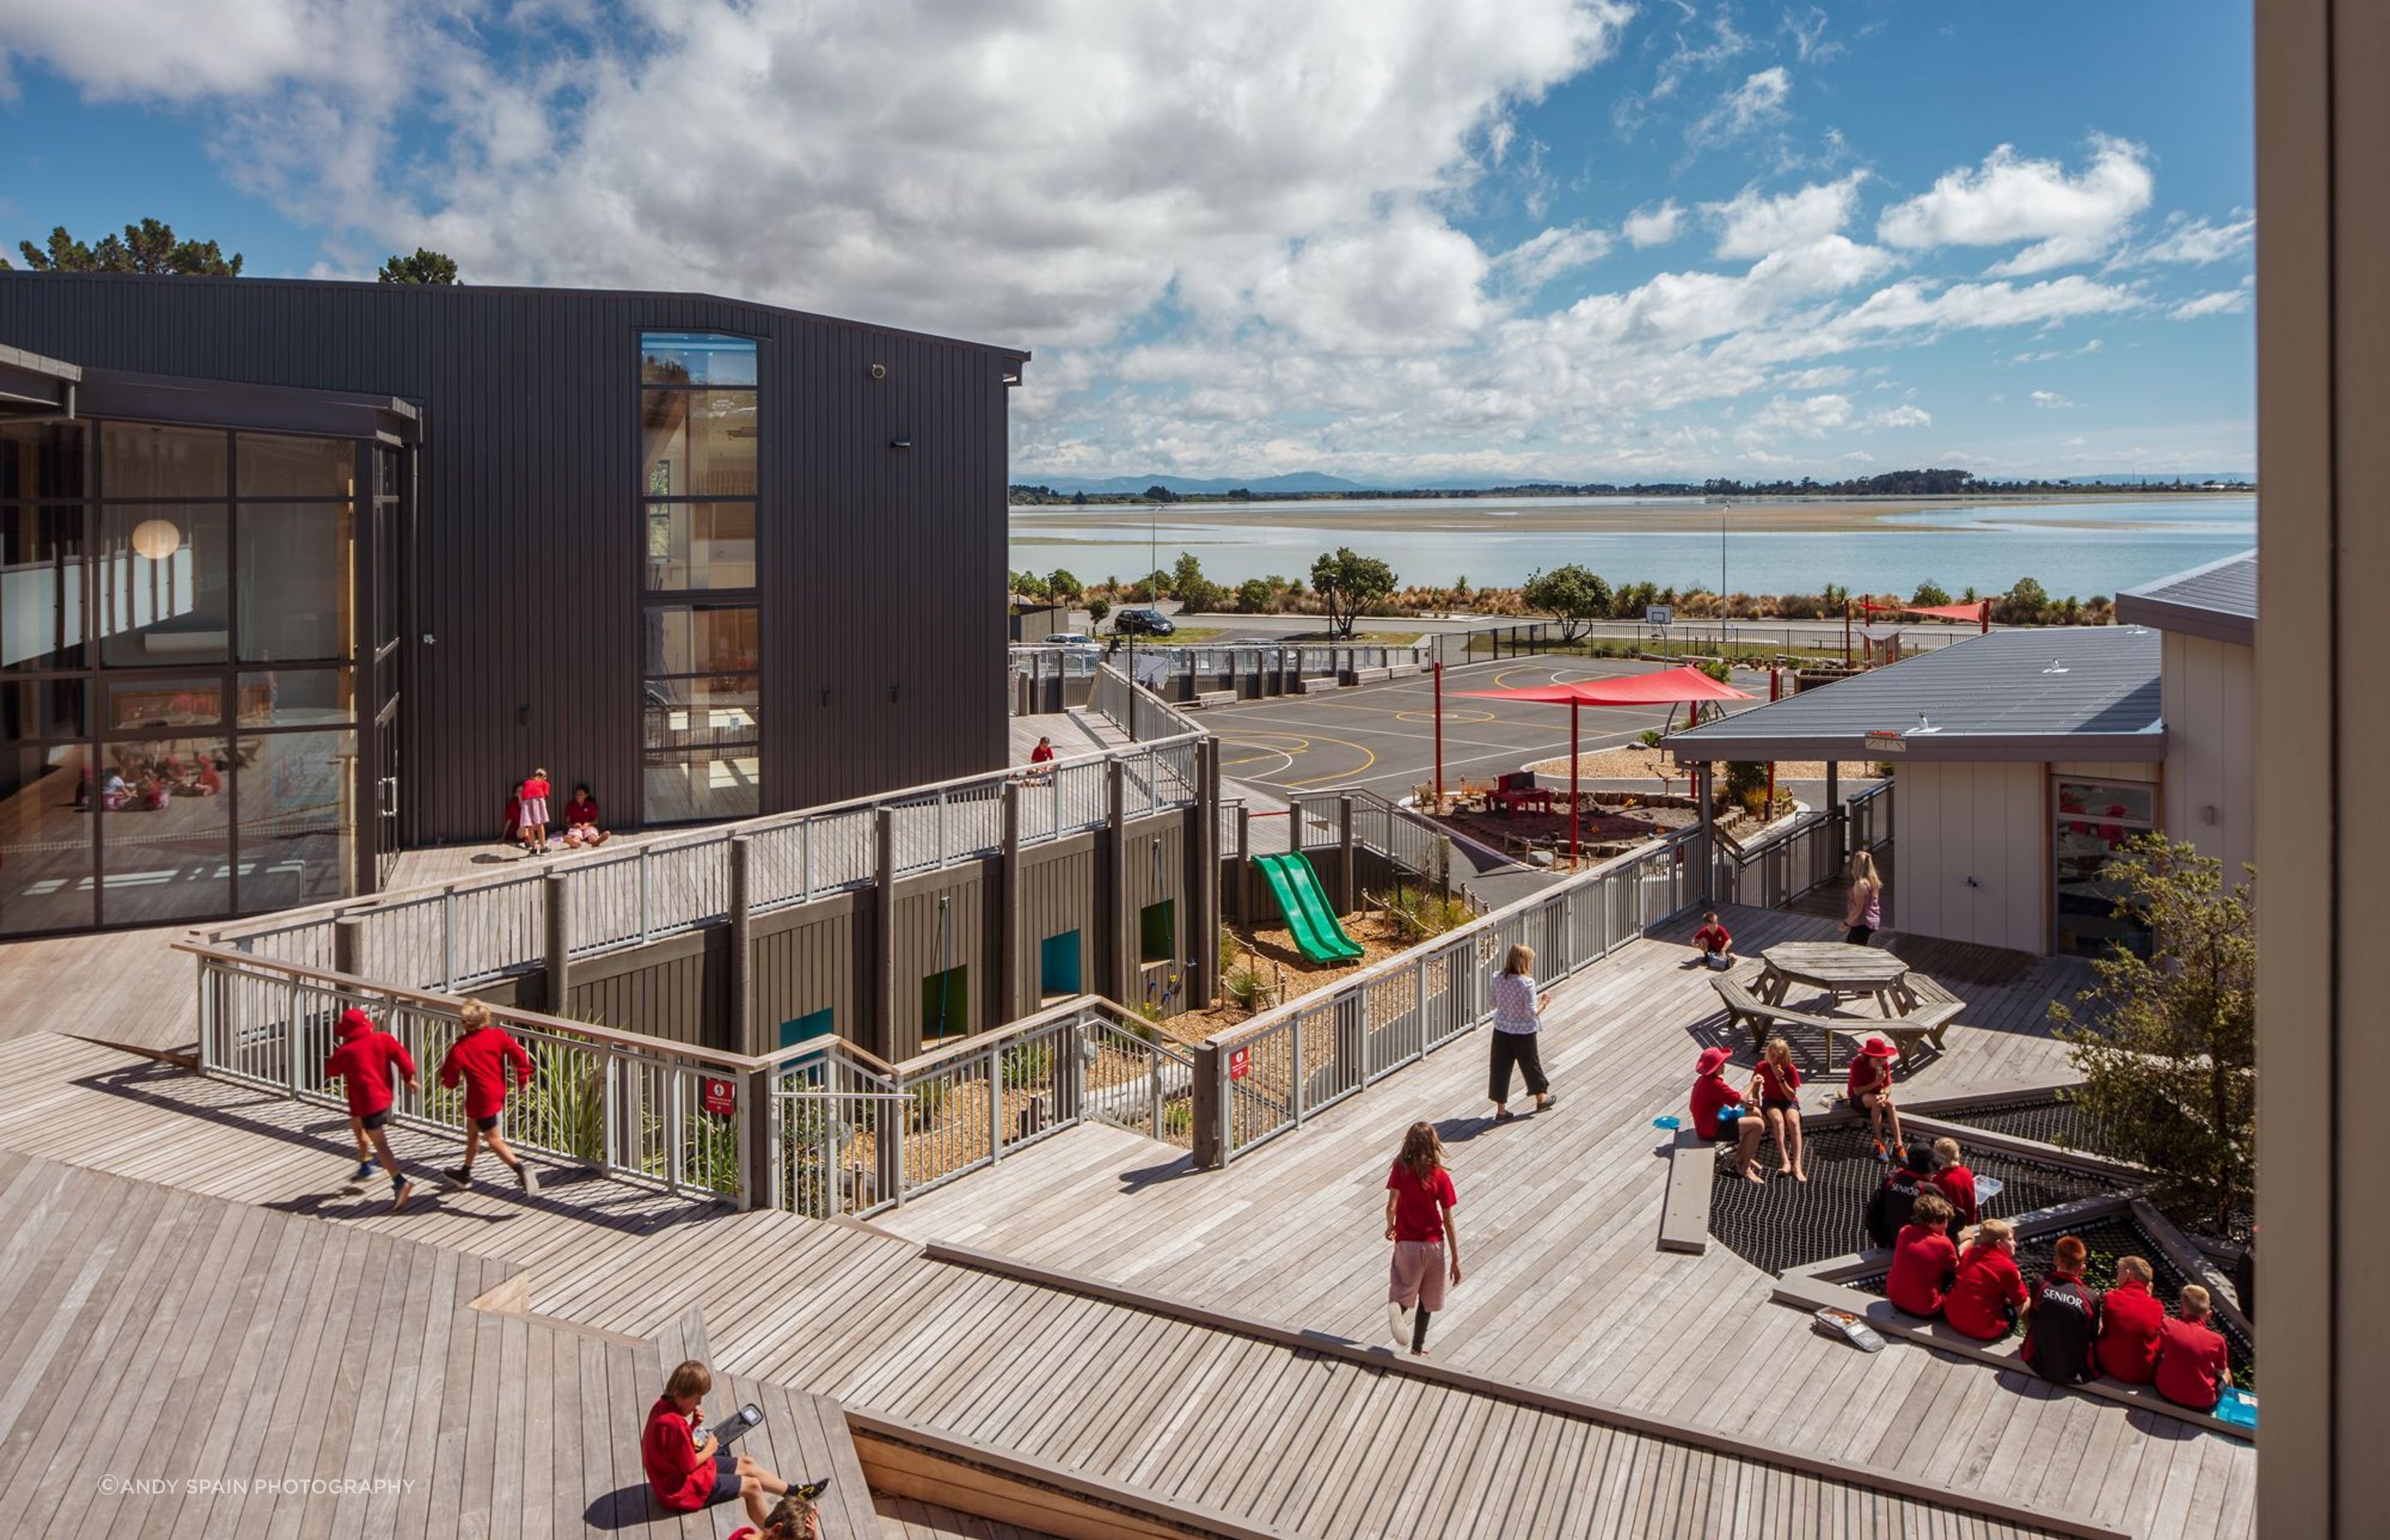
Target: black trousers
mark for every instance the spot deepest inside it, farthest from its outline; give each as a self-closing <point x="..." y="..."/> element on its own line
<point x="1515" y="1048"/>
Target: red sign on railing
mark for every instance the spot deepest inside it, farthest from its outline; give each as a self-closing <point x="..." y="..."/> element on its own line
<point x="721" y="1097"/>
<point x="1240" y="1063"/>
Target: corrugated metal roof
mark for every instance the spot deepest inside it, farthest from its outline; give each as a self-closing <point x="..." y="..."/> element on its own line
<point x="2042" y="693"/>
<point x="2218" y="600"/>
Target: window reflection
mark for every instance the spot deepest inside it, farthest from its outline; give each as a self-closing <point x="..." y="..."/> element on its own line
<point x="41" y="588"/>
<point x="701" y="546"/>
<point x="295" y="581"/>
<point x="700" y="443"/>
<point x="140" y="461"/>
<point x="295" y="827"/>
<point x="163" y="830"/>
<point x="690" y="639"/>
<point x="45" y="876"/>
<point x="165" y="576"/>
<point x="275" y="464"/>
<point x="40" y="459"/>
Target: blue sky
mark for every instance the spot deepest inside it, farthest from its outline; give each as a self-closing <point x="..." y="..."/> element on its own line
<point x="1480" y="239"/>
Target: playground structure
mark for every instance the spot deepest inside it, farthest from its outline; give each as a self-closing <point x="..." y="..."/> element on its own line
<point x="1302" y="898"/>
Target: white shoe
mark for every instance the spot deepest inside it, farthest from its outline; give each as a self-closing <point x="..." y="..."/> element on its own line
<point x="1397" y="1324"/>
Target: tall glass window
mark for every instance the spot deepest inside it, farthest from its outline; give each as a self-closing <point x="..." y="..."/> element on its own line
<point x="697" y="536"/>
<point x="177" y="673"/>
<point x="2094" y="818"/>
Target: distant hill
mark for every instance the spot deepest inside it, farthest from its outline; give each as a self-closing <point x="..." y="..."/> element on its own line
<point x="1185" y="486"/>
<point x="1315" y="484"/>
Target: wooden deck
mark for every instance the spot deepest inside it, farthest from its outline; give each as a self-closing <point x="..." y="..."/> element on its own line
<point x="1558" y="1223"/>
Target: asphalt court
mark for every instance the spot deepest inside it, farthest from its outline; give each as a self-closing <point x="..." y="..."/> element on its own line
<point x="1382" y="737"/>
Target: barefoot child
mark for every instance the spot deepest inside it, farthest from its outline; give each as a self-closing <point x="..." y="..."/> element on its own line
<point x="480" y="1059"/>
<point x="362" y="1063"/>
<point x="1869" y="1086"/>
<point x="1779" y="1083"/>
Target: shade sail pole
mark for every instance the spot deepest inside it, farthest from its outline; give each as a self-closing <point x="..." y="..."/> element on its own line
<point x="1438" y="675"/>
<point x="1573" y="803"/>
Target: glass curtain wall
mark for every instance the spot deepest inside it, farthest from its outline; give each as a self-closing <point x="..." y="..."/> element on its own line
<point x="2094" y="818"/>
<point x="177" y="705"/>
<point x="702" y="744"/>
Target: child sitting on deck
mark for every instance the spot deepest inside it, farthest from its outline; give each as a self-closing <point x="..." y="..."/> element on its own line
<point x="1923" y="1260"/>
<point x="688" y="1470"/>
<point x="1715" y="941"/>
<point x="1869" y="1088"/>
<point x="2194" y="1364"/>
<point x="1989" y="1291"/>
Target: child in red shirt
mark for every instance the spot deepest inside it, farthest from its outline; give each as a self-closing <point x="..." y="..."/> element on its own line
<point x="1989" y="1291"/>
<point x="1779" y="1083"/>
<point x="480" y="1059"/>
<point x="1718" y="1113"/>
<point x="2129" y="1321"/>
<point x="581" y="819"/>
<point x="791" y="1519"/>
<point x="1954" y="1182"/>
<point x="1923" y="1260"/>
<point x="534" y="811"/>
<point x="688" y="1471"/>
<point x="2062" y="1318"/>
<point x="1716" y="943"/>
<point x="362" y="1063"/>
<point x="1869" y="1086"/>
<point x="2194" y="1364"/>
<point x="1420" y="1200"/>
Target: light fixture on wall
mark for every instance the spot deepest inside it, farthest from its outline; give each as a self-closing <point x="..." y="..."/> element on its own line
<point x="157" y="538"/>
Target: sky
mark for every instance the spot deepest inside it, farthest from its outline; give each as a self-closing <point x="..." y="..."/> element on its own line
<point x="1478" y="240"/>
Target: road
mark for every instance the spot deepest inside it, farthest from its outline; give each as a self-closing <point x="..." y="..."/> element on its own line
<point x="1804" y="635"/>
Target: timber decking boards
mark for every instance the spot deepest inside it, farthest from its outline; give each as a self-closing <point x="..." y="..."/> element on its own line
<point x="1559" y="1224"/>
<point x="904" y="1519"/>
<point x="239" y="1360"/>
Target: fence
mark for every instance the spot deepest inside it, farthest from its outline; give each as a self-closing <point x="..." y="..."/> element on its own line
<point x="456" y="935"/>
<point x="1407" y="841"/>
<point x="1870" y="815"/>
<point x="1137" y="712"/>
<point x="800" y="1130"/>
<point x="1687" y="639"/>
<point x="1783" y="866"/>
<point x="1265" y="1076"/>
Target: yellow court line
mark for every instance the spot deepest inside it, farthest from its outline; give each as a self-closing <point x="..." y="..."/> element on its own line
<point x="1472" y="715"/>
<point x="1369" y="758"/>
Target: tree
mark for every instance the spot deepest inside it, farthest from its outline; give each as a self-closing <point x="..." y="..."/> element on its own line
<point x="1157" y="493"/>
<point x="1194" y="591"/>
<point x="1570" y="594"/>
<point x="1254" y="595"/>
<point x="1929" y="593"/>
<point x="2025" y="604"/>
<point x="2168" y="1052"/>
<point x="1348" y="583"/>
<point x="148" y="248"/>
<point x="1065" y="586"/>
<point x="1097" y="610"/>
<point x="1029" y="585"/>
<point x="425" y="266"/>
<point x="1746" y="787"/>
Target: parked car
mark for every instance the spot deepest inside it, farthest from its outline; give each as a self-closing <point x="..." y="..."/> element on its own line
<point x="1143" y="622"/>
<point x="1069" y="638"/>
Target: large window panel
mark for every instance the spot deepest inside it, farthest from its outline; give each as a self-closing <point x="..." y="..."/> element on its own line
<point x="297" y="697"/>
<point x="138" y="461"/>
<point x="699" y="639"/>
<point x="696" y="545"/>
<point x="41" y="459"/>
<point x="41" y="577"/>
<point x="275" y="464"/>
<point x="689" y="786"/>
<point x="696" y="358"/>
<point x="165" y="584"/>
<point x="37" y="710"/>
<point x="45" y="855"/>
<point x="701" y="713"/>
<point x="700" y="443"/>
<point x="153" y="703"/>
<point x="165" y="833"/>
<point x="297" y="581"/>
<point x="294" y="824"/>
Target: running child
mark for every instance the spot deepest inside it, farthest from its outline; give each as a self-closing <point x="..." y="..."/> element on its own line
<point x="362" y="1063"/>
<point x="480" y="1059"/>
<point x="1869" y="1086"/>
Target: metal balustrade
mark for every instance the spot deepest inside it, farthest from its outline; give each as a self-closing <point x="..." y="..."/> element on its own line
<point x="1287" y="1064"/>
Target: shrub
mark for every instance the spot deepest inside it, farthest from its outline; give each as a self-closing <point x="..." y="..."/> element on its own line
<point x="1746" y="787"/>
<point x="1649" y="738"/>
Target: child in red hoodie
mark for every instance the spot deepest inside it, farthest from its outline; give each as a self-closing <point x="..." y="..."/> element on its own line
<point x="480" y="1059"/>
<point x="362" y="1063"/>
<point x="2130" y="1319"/>
<point x="1923" y="1260"/>
<point x="1987" y="1293"/>
<point x="688" y="1470"/>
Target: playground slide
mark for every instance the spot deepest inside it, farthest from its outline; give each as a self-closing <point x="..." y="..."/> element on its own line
<point x="1303" y="901"/>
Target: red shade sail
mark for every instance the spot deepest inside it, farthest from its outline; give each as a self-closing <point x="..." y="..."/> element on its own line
<point x="1972" y="613"/>
<point x="1668" y="688"/>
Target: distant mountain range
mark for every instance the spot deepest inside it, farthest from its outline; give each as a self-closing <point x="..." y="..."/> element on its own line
<point x="1314" y="482"/>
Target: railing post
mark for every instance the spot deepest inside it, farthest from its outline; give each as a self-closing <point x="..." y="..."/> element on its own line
<point x="643" y="894"/>
<point x="805" y="861"/>
<point x="1123" y="925"/>
<point x="348" y="946"/>
<point x="448" y="939"/>
<point x="1295" y="1078"/>
<point x="1009" y="969"/>
<point x="883" y="940"/>
<point x="1211" y="1088"/>
<point x="995" y="1106"/>
<point x="675" y="1087"/>
<point x="759" y="1151"/>
<point x="891" y="1160"/>
<point x="1153" y="1087"/>
<point x="1244" y="864"/>
<point x="293" y="1044"/>
<point x="560" y="942"/>
<point x="610" y="1108"/>
<point x="1347" y="900"/>
<point x="942" y="827"/>
<point x="742" y="965"/>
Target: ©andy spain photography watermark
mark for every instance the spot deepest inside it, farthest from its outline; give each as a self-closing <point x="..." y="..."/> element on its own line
<point x="113" y="1484"/>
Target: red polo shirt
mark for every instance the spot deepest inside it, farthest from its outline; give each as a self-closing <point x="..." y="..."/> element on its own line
<point x="1712" y="1095"/>
<point x="1712" y="938"/>
<point x="1863" y="1075"/>
<point x="1986" y="1294"/>
<point x="1779" y="1084"/>
<point x="2192" y="1361"/>
<point x="1923" y="1262"/>
<point x="1957" y="1184"/>
<point x="2130" y="1318"/>
<point x="682" y="1482"/>
<point x="1419" y="1206"/>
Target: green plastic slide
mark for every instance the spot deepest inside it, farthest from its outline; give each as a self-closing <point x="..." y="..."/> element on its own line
<point x="1303" y="901"/>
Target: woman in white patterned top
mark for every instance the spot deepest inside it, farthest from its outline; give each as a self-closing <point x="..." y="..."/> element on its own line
<point x="1518" y="1012"/>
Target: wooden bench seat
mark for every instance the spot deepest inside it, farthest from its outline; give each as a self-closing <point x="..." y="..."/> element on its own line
<point x="1754" y="1015"/>
<point x="1926" y="1011"/>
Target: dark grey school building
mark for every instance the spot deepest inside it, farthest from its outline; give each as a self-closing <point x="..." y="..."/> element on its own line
<point x="296" y="574"/>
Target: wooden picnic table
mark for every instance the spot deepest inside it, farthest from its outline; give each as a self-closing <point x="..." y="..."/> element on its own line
<point x="1841" y="970"/>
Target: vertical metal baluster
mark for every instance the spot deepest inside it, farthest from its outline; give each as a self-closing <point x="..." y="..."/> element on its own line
<point x="643" y="894"/>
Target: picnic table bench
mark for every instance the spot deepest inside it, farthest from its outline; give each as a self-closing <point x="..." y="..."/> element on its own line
<point x="1925" y="1012"/>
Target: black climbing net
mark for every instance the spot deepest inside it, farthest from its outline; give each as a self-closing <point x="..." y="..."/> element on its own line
<point x="1786" y="1224"/>
<point x="2107" y="1240"/>
<point x="2052" y="1122"/>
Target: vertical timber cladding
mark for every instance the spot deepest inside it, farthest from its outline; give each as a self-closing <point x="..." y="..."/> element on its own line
<point x="677" y="989"/>
<point x="944" y="920"/>
<point x="880" y="567"/>
<point x="813" y="957"/>
<point x="1157" y="874"/>
<point x="1061" y="894"/>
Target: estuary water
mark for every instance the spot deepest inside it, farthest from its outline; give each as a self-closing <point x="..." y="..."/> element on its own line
<point x="2082" y="547"/>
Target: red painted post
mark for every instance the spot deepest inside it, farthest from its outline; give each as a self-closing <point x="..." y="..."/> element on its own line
<point x="1775" y="692"/>
<point x="1572" y="844"/>
<point x="1438" y="674"/>
<point x="1847" y="633"/>
<point x="1988" y="618"/>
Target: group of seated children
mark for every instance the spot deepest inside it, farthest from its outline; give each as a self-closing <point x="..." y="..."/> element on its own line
<point x="2072" y="1332"/>
<point x="527" y="817"/>
<point x="1772" y="1104"/>
<point x="688" y="1470"/>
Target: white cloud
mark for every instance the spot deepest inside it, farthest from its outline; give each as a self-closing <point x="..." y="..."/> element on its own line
<point x="1910" y="303"/>
<point x="1725" y="43"/>
<point x="2046" y="355"/>
<point x="1653" y="226"/>
<point x="2201" y="241"/>
<point x="1810" y="418"/>
<point x="2224" y="302"/>
<point x="1816" y="379"/>
<point x="2050" y="401"/>
<point x="2069" y="219"/>
<point x="1758" y="103"/>
<point x="1537" y="261"/>
<point x="1750" y="224"/>
<point x="1902" y="416"/>
<point x="2074" y="442"/>
<point x="1807" y="32"/>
